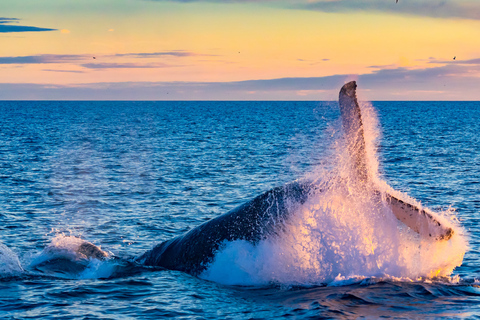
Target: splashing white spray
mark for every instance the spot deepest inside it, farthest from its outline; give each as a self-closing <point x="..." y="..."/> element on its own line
<point x="73" y="258"/>
<point x="9" y="263"/>
<point x="345" y="231"/>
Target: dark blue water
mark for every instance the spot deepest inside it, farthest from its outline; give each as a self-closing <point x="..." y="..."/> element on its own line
<point x="128" y="175"/>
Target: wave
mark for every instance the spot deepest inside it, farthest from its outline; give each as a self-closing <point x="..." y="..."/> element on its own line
<point x="9" y="262"/>
<point x="72" y="258"/>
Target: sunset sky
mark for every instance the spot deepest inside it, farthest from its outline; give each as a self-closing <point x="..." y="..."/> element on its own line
<point x="239" y="50"/>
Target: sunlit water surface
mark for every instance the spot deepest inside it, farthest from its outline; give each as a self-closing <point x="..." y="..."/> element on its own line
<point x="128" y="175"/>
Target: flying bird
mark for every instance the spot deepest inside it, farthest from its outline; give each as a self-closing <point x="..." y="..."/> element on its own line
<point x="454" y="57"/>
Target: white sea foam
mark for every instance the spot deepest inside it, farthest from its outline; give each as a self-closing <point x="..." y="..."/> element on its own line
<point x="65" y="257"/>
<point x="344" y="233"/>
<point x="9" y="263"/>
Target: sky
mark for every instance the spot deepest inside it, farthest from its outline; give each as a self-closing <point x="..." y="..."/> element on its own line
<point x="239" y="50"/>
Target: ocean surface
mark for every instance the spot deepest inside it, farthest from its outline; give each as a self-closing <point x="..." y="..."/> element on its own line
<point x="128" y="175"/>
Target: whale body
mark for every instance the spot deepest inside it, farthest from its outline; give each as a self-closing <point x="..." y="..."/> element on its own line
<point x="266" y="214"/>
<point x="252" y="221"/>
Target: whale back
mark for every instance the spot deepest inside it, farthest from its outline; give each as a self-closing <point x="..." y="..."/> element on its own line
<point x="253" y="221"/>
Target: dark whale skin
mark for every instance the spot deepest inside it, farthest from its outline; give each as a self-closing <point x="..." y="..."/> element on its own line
<point x="253" y="221"/>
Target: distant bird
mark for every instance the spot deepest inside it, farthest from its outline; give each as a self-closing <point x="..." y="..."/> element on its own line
<point x="454" y="57"/>
<point x="94" y="58"/>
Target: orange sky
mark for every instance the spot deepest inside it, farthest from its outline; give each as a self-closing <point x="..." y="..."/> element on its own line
<point x="139" y="49"/>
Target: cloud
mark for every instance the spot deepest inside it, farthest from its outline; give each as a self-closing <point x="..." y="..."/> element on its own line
<point x="42" y="58"/>
<point x="466" y="9"/>
<point x="81" y="59"/>
<point x="471" y="61"/>
<point x="69" y="71"/>
<point x="6" y="27"/>
<point x="175" y="53"/>
<point x="8" y="20"/>
<point x="313" y="62"/>
<point x="446" y="82"/>
<point x="463" y="9"/>
<point x="419" y="77"/>
<point x="385" y="66"/>
<point x="56" y="58"/>
<point x="217" y="1"/>
<point x="121" y="65"/>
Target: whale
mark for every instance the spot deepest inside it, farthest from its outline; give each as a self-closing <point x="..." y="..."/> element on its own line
<point x="267" y="214"/>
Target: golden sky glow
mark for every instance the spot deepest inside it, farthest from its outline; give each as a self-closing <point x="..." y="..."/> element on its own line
<point x="165" y="42"/>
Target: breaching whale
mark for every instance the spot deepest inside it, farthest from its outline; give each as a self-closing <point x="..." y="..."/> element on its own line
<point x="265" y="215"/>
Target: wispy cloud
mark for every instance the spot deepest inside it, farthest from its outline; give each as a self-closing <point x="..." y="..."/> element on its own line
<point x="455" y="61"/>
<point x="97" y="62"/>
<point x="9" y="20"/>
<point x="444" y="82"/>
<point x="7" y="27"/>
<point x="464" y="9"/>
<point x="42" y="58"/>
<point x="384" y="66"/>
<point x="313" y="62"/>
<point x="67" y="71"/>
<point x="218" y="1"/>
<point x="122" y="65"/>
<point x="174" y="53"/>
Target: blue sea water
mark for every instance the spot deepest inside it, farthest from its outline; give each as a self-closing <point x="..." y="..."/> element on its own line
<point x="128" y="175"/>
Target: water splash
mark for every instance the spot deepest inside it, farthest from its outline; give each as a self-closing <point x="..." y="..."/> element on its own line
<point x="70" y="257"/>
<point x="73" y="258"/>
<point x="9" y="262"/>
<point x="343" y="233"/>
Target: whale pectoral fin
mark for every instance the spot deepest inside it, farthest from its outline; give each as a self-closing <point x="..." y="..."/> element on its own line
<point x="415" y="218"/>
<point x="418" y="219"/>
<point x="353" y="128"/>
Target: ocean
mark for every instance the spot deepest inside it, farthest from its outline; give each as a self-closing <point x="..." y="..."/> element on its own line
<point x="128" y="175"/>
